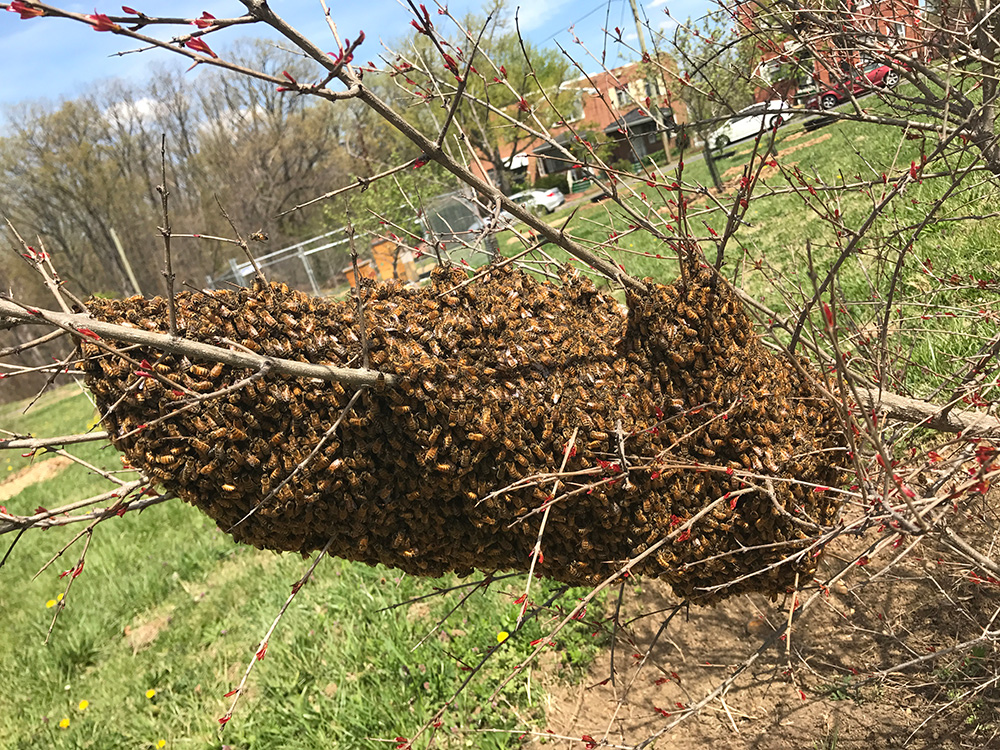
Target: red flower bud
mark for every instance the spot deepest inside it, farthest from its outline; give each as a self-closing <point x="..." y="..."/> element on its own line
<point x="206" y="20"/>
<point x="101" y="22"/>
<point x="199" y="46"/>
<point x="26" y="11"/>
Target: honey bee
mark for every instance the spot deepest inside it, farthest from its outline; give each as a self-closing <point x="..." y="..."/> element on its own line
<point x="547" y="431"/>
<point x="200" y="446"/>
<point x="430" y="455"/>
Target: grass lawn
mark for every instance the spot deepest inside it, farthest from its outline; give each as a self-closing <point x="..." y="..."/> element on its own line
<point x="168" y="611"/>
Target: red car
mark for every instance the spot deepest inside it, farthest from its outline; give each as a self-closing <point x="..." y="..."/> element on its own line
<point x="875" y="74"/>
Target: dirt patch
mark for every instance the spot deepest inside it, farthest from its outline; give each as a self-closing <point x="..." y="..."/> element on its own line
<point x="782" y="154"/>
<point x="141" y="634"/>
<point x="835" y="685"/>
<point x="418" y="611"/>
<point x="29" y="475"/>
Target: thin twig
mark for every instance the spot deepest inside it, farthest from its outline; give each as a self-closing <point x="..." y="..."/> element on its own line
<point x="262" y="646"/>
<point x="168" y="270"/>
<point x="61" y="602"/>
<point x="536" y="552"/>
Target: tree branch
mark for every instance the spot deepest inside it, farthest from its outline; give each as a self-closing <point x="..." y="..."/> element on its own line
<point x="196" y="349"/>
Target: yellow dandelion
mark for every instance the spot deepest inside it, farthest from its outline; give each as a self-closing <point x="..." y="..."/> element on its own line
<point x="161" y="743"/>
<point x="64" y="724"/>
<point x="502" y="636"/>
<point x="83" y="705"/>
<point x="150" y="693"/>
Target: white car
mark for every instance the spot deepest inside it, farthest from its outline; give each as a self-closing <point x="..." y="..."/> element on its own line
<point x="549" y="199"/>
<point x="749" y="121"/>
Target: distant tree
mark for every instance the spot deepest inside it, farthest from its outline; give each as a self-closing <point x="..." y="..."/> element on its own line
<point x="526" y="89"/>
<point x="270" y="151"/>
<point x="714" y="63"/>
<point x="86" y="171"/>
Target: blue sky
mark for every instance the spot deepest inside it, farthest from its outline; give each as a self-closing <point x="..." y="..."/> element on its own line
<point x="55" y="58"/>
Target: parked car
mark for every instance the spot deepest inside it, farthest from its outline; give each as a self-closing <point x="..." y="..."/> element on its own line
<point x="750" y="121"/>
<point x="549" y="199"/>
<point x="873" y="75"/>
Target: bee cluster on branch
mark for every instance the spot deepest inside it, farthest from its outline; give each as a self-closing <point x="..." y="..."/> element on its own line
<point x="658" y="414"/>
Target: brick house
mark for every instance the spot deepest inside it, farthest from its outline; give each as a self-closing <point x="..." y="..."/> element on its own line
<point x="610" y="105"/>
<point x="789" y="69"/>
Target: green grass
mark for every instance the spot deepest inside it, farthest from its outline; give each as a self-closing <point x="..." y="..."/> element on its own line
<point x="338" y="672"/>
<point x="785" y="234"/>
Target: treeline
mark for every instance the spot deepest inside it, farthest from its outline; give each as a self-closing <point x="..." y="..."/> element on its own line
<point x="76" y="173"/>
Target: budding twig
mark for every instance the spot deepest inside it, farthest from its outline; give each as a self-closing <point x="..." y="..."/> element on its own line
<point x="194" y="349"/>
<point x="536" y="553"/>
<point x="262" y="646"/>
<point x="168" y="271"/>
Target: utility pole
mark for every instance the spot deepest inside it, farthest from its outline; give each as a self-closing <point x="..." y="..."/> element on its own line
<point x="654" y="111"/>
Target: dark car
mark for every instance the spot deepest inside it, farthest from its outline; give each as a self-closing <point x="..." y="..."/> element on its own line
<point x="873" y="75"/>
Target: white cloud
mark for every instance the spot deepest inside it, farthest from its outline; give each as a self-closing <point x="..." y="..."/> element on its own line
<point x="656" y="3"/>
<point x="537" y="14"/>
<point x="134" y="111"/>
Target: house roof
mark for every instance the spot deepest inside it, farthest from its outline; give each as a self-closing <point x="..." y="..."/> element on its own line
<point x="562" y="139"/>
<point x="635" y="117"/>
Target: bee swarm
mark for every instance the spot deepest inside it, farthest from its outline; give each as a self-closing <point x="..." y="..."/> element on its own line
<point x="675" y="405"/>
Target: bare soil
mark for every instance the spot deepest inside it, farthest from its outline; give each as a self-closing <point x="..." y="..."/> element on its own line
<point x="832" y="688"/>
<point x="37" y="472"/>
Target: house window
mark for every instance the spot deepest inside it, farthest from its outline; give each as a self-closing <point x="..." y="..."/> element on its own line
<point x="620" y="97"/>
<point x="574" y="109"/>
<point x="770" y="70"/>
<point x="652" y="87"/>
